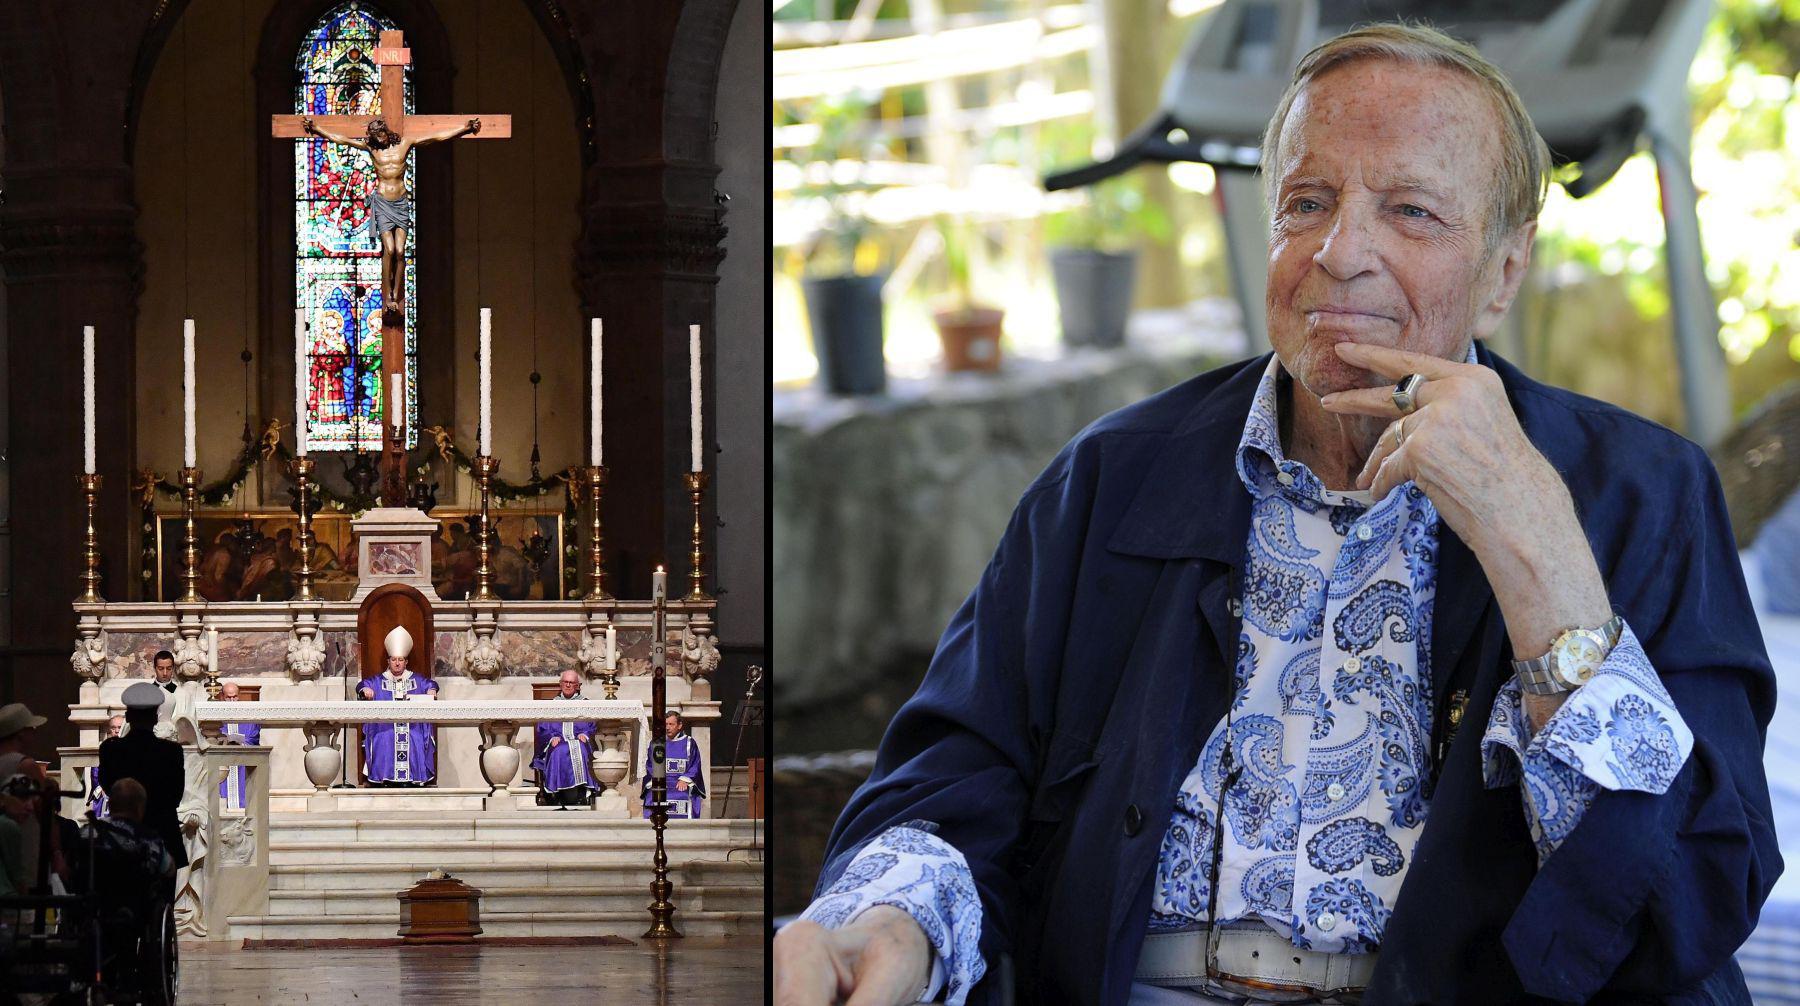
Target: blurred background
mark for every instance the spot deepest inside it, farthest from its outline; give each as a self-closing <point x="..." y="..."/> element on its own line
<point x="945" y="320"/>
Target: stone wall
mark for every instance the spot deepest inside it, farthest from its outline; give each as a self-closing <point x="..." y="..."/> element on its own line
<point x="887" y="508"/>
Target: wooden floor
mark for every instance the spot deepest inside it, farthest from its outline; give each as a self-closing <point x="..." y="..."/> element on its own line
<point x="689" y="972"/>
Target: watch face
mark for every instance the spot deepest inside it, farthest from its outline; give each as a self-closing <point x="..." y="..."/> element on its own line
<point x="1578" y="655"/>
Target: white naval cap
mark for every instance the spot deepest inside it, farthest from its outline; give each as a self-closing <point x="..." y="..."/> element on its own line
<point x="399" y="642"/>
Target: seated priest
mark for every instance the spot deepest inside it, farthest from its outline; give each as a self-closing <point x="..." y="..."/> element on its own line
<point x="687" y="784"/>
<point x="97" y="803"/>
<point x="398" y="754"/>
<point x="565" y="751"/>
<point x="232" y="787"/>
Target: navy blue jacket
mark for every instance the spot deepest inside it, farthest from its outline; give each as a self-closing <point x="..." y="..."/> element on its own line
<point x="1074" y="689"/>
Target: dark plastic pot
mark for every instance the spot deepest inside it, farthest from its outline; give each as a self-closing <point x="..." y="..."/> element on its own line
<point x="1094" y="290"/>
<point x="847" y="332"/>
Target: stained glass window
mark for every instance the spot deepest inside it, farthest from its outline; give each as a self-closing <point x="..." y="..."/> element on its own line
<point x="337" y="263"/>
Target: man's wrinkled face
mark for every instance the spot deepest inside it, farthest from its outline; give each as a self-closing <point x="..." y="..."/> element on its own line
<point x="115" y="727"/>
<point x="165" y="669"/>
<point x="396" y="665"/>
<point x="671" y="727"/>
<point x="1386" y="175"/>
<point x="229" y="692"/>
<point x="570" y="684"/>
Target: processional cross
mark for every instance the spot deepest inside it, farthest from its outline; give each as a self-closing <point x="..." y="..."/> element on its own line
<point x="388" y="138"/>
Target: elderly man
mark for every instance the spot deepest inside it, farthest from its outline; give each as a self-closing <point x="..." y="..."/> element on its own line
<point x="235" y="785"/>
<point x="398" y="754"/>
<point x="565" y="750"/>
<point x="1290" y="684"/>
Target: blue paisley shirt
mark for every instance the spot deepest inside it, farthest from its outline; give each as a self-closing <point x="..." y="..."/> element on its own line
<point x="1314" y="788"/>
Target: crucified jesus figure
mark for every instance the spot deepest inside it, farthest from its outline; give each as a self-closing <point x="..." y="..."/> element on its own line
<point x="389" y="207"/>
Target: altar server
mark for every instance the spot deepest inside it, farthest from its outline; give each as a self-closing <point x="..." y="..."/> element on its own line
<point x="234" y="786"/>
<point x="687" y="784"/>
<point x="402" y="754"/>
<point x="565" y="751"/>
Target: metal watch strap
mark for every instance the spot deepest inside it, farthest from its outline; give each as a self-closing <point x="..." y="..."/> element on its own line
<point x="1536" y="675"/>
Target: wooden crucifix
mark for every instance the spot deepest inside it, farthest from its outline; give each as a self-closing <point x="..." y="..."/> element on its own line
<point x="388" y="137"/>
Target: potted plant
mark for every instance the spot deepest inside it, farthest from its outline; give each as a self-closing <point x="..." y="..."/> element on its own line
<point x="1093" y="258"/>
<point x="970" y="331"/>
<point x="842" y="289"/>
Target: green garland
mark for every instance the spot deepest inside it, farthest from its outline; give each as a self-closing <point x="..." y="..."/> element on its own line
<point x="216" y="493"/>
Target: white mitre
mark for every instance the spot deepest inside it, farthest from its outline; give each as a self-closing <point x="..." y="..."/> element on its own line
<point x="399" y="642"/>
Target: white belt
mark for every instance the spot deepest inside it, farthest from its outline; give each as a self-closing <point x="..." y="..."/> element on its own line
<point x="1254" y="952"/>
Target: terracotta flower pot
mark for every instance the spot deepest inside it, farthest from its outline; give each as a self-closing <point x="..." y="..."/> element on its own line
<point x="971" y="337"/>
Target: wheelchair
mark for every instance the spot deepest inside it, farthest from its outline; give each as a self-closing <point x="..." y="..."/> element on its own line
<point x="110" y="942"/>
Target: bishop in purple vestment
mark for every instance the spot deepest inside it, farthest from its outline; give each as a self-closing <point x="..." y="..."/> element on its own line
<point x="565" y="750"/>
<point x="234" y="786"/>
<point x="687" y="783"/>
<point x="398" y="753"/>
<point x="97" y="802"/>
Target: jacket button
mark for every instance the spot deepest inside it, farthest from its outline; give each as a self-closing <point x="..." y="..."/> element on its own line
<point x="1134" y="820"/>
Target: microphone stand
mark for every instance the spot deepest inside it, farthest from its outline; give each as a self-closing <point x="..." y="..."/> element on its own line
<point x="749" y="713"/>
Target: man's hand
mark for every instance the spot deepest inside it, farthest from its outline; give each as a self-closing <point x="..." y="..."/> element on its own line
<point x="474" y="126"/>
<point x="1464" y="448"/>
<point x="554" y="741"/>
<point x="583" y="738"/>
<point x="682" y="785"/>
<point x="881" y="959"/>
<point x="306" y="125"/>
<point x="368" y="693"/>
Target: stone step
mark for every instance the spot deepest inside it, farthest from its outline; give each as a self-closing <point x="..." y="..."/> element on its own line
<point x="551" y="827"/>
<point x="546" y="901"/>
<point x="367" y="876"/>
<point x="480" y="852"/>
<point x="629" y="924"/>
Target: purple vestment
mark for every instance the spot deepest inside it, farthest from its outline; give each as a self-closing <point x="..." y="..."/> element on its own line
<point x="683" y="754"/>
<point x="97" y="802"/>
<point x="234" y="787"/>
<point x="568" y="764"/>
<point x="398" y="752"/>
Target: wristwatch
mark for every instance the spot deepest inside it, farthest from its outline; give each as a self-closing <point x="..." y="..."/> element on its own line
<point x="1573" y="658"/>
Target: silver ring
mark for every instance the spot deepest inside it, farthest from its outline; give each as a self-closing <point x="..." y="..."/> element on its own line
<point x="1405" y="391"/>
<point x="1399" y="434"/>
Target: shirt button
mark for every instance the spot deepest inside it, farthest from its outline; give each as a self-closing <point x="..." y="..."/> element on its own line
<point x="1326" y="922"/>
<point x="1134" y="820"/>
<point x="1363" y="532"/>
<point x="1353" y="665"/>
<point x="1335" y="791"/>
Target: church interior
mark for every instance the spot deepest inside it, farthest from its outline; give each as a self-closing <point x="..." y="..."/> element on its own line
<point x="384" y="428"/>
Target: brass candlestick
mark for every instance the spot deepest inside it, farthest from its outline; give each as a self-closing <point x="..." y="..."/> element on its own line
<point x="302" y="469"/>
<point x="485" y="467"/>
<point x="190" y="553"/>
<point x="662" y="910"/>
<point x="90" y="576"/>
<point x="696" y="483"/>
<point x="595" y="477"/>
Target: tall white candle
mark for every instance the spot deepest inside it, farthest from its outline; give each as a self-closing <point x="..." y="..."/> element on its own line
<point x="659" y="584"/>
<point x="397" y="403"/>
<point x="612" y="647"/>
<point x="187" y="385"/>
<point x="694" y="388"/>
<point x="487" y="383"/>
<point x="87" y="397"/>
<point x="212" y="650"/>
<point x="595" y="453"/>
<point x="300" y="376"/>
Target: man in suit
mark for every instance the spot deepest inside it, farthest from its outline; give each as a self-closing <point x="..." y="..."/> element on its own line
<point x="1370" y="669"/>
<point x="154" y="762"/>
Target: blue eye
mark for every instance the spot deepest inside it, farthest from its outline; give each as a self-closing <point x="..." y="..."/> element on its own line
<point x="1307" y="205"/>
<point x="1416" y="212"/>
